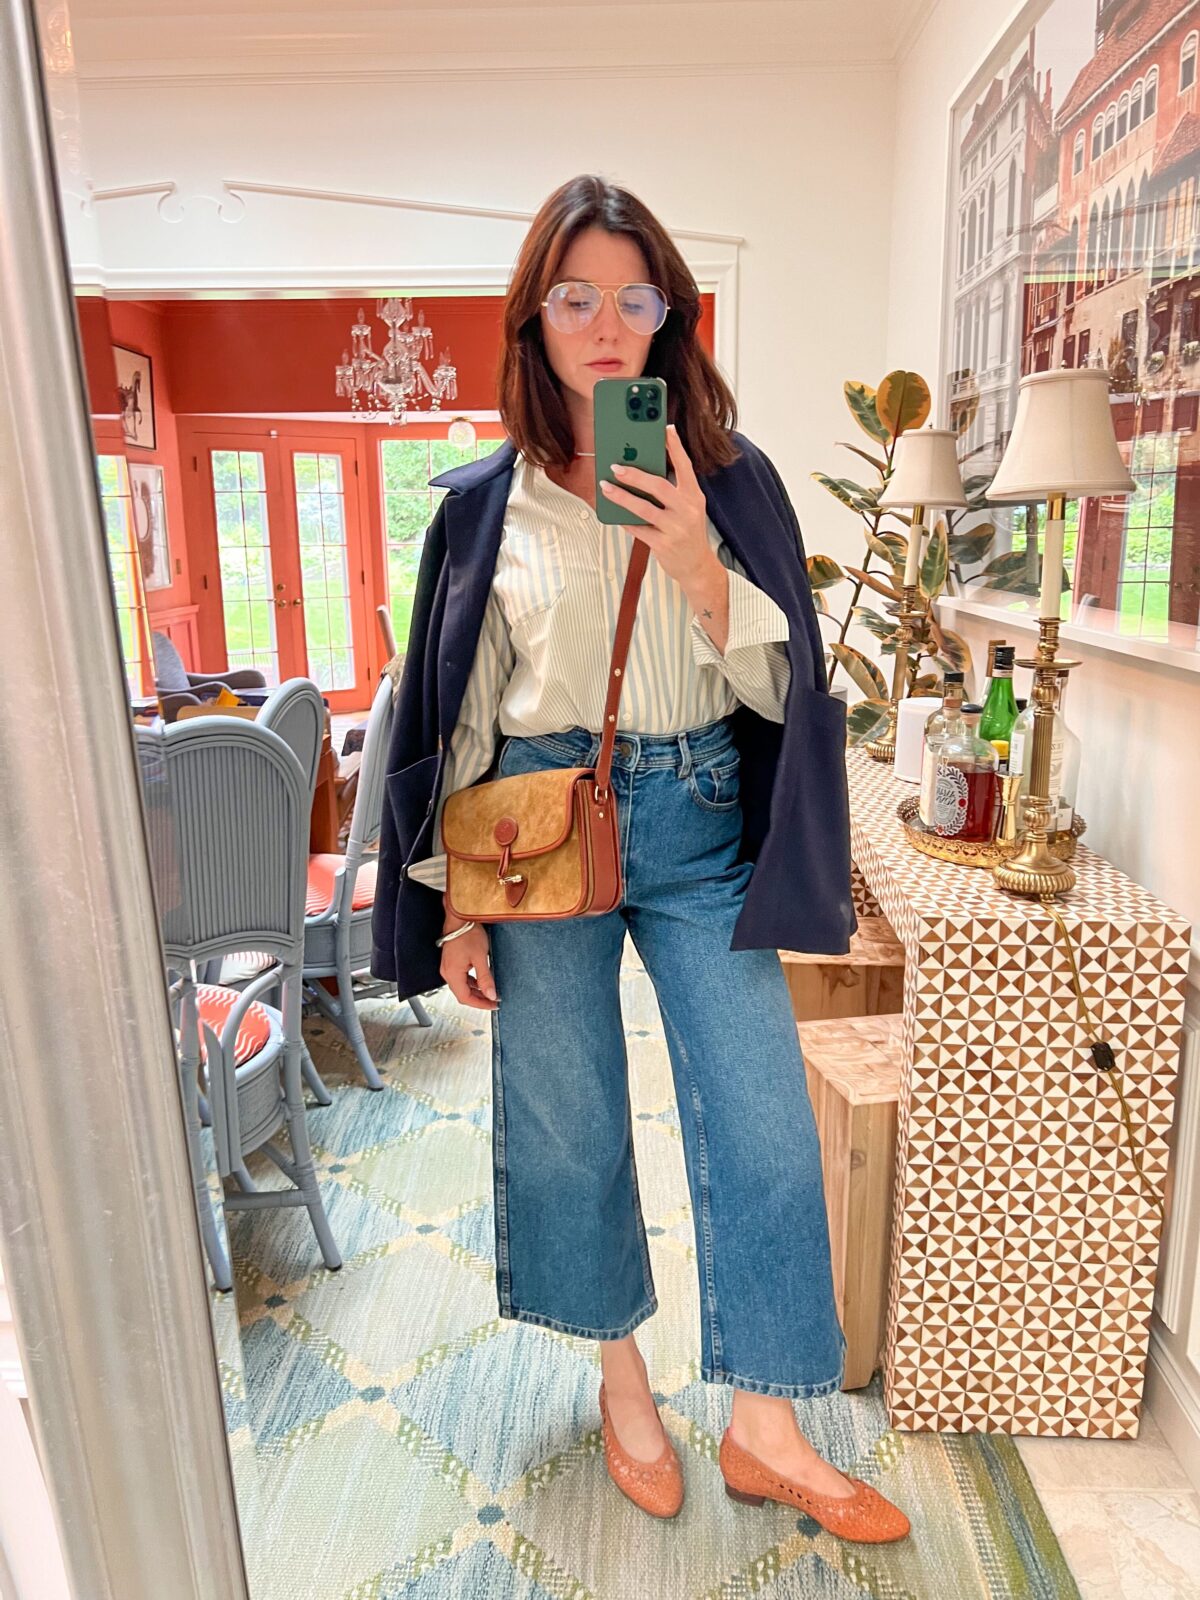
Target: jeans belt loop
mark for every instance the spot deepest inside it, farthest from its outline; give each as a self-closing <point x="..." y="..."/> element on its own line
<point x="685" y="765"/>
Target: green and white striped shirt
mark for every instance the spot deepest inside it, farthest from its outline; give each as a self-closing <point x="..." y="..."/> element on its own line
<point x="542" y="662"/>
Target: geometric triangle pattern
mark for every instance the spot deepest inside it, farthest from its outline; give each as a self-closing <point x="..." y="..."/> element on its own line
<point x="395" y="1439"/>
<point x="1024" y="1247"/>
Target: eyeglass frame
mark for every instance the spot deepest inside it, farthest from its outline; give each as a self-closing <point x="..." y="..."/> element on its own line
<point x="604" y="289"/>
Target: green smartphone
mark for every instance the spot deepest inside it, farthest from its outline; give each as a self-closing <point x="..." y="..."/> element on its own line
<point x="630" y="422"/>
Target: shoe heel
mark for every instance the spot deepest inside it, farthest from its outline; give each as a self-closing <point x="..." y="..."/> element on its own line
<point x="745" y="1499"/>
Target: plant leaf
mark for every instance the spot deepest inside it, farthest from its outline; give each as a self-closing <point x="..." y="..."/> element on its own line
<point x="1010" y="574"/>
<point x="820" y="604"/>
<point x="893" y="547"/>
<point x="860" y="397"/>
<point x="824" y="572"/>
<point x="875" y="624"/>
<point x="865" y="454"/>
<point x="975" y="488"/>
<point x="935" y="563"/>
<point x="903" y="401"/>
<point x="872" y="582"/>
<point x="846" y="490"/>
<point x="866" y="719"/>
<point x="966" y="549"/>
<point x="956" y="650"/>
<point x="862" y="671"/>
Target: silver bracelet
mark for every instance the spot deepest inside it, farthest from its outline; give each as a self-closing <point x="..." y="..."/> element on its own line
<point x="454" y="933"/>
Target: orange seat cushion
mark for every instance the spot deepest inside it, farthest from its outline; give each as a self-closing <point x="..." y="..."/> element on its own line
<point x="322" y="870"/>
<point x="214" y="1005"/>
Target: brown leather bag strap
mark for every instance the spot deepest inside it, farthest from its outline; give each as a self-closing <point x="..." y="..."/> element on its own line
<point x="638" y="557"/>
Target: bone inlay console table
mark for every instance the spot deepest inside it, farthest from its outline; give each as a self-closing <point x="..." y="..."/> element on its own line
<point x="1024" y="1247"/>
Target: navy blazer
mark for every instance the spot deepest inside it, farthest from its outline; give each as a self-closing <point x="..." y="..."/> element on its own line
<point x="795" y="809"/>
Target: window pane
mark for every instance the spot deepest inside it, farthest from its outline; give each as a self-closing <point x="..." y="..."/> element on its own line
<point x="324" y="567"/>
<point x="244" y="556"/>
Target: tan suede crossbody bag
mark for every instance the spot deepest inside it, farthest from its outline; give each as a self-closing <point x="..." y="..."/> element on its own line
<point x="544" y="844"/>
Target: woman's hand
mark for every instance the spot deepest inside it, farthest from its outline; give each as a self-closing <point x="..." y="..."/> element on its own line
<point x="678" y="530"/>
<point x="466" y="965"/>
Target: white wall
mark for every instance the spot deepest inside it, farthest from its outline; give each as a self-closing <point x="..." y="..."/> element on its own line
<point x="1140" y="723"/>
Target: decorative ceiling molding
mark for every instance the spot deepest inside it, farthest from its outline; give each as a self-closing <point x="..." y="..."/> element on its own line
<point x="291" y="75"/>
<point x="399" y="202"/>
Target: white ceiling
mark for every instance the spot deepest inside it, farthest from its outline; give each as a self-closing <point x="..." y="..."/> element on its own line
<point x="121" y="40"/>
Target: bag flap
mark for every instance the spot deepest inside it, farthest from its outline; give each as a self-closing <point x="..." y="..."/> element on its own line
<point x="539" y="803"/>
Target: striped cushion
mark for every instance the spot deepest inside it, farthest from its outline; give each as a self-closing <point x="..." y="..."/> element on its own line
<point x="321" y="872"/>
<point x="215" y="1004"/>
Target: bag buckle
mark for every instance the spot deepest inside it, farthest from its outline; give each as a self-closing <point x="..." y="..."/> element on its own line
<point x="599" y="796"/>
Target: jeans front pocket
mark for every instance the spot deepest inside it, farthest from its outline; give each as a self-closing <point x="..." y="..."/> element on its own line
<point x="714" y="781"/>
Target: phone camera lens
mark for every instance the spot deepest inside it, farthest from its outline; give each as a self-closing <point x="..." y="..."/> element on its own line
<point x="635" y="401"/>
<point x="652" y="413"/>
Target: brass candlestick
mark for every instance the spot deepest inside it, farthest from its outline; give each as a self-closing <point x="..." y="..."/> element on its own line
<point x="1033" y="870"/>
<point x="914" y="626"/>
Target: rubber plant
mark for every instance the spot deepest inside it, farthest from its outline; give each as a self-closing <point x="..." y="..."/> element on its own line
<point x="901" y="401"/>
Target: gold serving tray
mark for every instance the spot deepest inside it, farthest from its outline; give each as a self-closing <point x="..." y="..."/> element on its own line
<point x="980" y="853"/>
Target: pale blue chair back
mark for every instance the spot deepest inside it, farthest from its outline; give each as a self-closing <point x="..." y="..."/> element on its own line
<point x="296" y="712"/>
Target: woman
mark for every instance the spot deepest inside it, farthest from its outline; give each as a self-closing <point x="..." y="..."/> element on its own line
<point x="724" y="694"/>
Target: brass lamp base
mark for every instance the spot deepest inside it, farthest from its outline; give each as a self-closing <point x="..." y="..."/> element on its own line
<point x="1034" y="871"/>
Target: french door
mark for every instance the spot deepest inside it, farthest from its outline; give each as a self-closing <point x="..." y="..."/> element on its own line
<point x="287" y="560"/>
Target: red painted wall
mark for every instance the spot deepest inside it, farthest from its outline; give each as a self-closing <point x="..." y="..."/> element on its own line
<point x="142" y="326"/>
<point x="217" y="358"/>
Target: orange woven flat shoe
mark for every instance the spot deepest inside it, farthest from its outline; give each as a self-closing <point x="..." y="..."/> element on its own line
<point x="655" y="1487"/>
<point x="864" y="1516"/>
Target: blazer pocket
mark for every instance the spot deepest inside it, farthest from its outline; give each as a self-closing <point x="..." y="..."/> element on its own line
<point x="410" y="795"/>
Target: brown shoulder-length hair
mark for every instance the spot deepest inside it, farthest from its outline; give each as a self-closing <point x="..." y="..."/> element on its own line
<point x="699" y="401"/>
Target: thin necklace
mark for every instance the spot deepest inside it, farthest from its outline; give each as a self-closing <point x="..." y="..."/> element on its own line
<point x="585" y="452"/>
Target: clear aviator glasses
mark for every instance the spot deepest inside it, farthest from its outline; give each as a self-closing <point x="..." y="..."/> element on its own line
<point x="572" y="305"/>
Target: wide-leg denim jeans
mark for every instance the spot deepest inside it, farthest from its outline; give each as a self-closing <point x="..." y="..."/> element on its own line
<point x="571" y="1248"/>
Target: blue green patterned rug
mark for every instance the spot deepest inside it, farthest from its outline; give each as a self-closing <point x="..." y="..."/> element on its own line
<point x="396" y="1441"/>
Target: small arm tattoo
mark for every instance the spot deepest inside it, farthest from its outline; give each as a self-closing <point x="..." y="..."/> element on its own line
<point x="706" y="612"/>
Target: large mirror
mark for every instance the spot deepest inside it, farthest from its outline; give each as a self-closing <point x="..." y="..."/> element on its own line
<point x="265" y="425"/>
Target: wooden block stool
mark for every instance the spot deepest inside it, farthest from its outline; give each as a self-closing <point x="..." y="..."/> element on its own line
<point x="867" y="982"/>
<point x="853" y="1068"/>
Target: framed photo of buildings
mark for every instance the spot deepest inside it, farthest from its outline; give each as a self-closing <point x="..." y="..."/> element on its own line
<point x="135" y="388"/>
<point x="1073" y="239"/>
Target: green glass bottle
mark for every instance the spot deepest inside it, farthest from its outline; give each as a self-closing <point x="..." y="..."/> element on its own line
<point x="1000" y="707"/>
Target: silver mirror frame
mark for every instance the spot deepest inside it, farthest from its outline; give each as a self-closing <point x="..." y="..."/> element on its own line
<point x="100" y="1241"/>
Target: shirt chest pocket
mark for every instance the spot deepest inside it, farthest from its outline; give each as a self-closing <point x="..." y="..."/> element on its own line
<point x="530" y="572"/>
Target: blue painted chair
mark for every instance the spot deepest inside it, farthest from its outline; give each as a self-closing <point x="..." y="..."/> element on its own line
<point x="341" y="896"/>
<point x="227" y="819"/>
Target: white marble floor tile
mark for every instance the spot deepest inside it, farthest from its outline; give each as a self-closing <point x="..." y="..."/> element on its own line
<point x="1128" y="1545"/>
<point x="1147" y="1462"/>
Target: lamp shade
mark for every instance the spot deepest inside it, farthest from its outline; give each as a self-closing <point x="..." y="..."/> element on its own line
<point x="1063" y="440"/>
<point x="924" y="471"/>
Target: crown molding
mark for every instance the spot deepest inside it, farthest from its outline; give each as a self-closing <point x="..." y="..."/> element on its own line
<point x="289" y="74"/>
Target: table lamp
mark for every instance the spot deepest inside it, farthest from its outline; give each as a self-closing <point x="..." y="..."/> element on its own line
<point x="925" y="473"/>
<point x="1063" y="446"/>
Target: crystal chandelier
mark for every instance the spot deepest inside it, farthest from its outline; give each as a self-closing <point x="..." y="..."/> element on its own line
<point x="396" y="380"/>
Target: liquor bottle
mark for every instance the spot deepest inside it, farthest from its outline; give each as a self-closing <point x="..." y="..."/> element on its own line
<point x="937" y="721"/>
<point x="958" y="775"/>
<point x="991" y="659"/>
<point x="1000" y="707"/>
<point x="1065" y="751"/>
